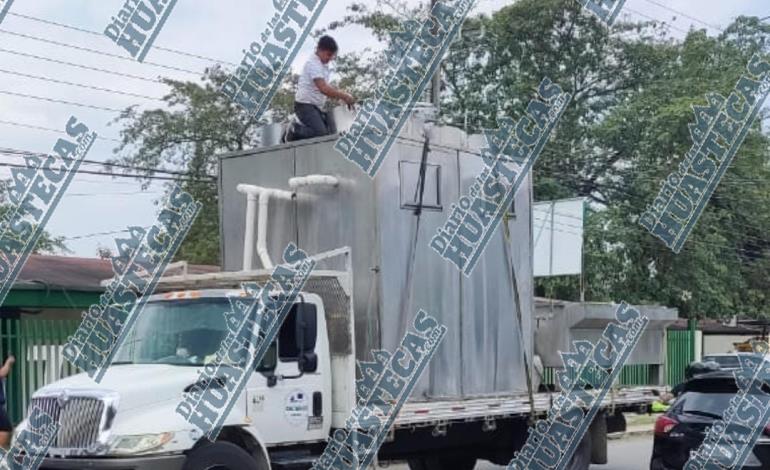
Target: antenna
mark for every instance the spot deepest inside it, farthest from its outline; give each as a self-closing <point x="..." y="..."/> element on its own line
<point x="435" y="94"/>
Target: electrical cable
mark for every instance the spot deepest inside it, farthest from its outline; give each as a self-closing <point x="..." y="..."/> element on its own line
<point x="86" y="67"/>
<point x="48" y="129"/>
<point x="119" y="175"/>
<point x="95" y="51"/>
<point x="81" y="85"/>
<point x="16" y="152"/>
<point x="685" y="15"/>
<point x="58" y="101"/>
<point x="96" y="33"/>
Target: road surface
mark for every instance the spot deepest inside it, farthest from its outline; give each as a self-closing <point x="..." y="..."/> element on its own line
<point x="632" y="453"/>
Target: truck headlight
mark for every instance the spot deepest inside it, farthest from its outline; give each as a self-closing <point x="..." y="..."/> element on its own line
<point x="129" y="445"/>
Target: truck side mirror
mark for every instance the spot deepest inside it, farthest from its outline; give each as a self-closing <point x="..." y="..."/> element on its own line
<point x="307" y="328"/>
<point x="308" y="362"/>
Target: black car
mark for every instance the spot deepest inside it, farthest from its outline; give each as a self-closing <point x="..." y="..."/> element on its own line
<point x="702" y="400"/>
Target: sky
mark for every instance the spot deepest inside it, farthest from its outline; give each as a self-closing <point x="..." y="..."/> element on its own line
<point x="34" y="52"/>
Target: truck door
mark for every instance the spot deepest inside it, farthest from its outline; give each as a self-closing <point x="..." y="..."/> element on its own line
<point x="286" y="399"/>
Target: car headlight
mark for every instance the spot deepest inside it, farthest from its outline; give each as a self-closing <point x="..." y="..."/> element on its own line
<point x="129" y="445"/>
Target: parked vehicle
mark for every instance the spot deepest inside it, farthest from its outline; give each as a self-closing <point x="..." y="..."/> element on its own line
<point x="473" y="401"/>
<point x="727" y="361"/>
<point x="682" y="428"/>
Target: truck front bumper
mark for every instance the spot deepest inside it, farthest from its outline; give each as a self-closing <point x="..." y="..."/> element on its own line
<point x="167" y="462"/>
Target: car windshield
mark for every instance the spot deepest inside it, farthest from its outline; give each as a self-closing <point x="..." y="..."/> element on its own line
<point x="180" y="332"/>
<point x="725" y="362"/>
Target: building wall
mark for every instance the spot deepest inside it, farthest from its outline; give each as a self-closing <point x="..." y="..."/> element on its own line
<point x="719" y="344"/>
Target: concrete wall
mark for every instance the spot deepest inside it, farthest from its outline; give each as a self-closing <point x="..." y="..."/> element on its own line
<point x="719" y="344"/>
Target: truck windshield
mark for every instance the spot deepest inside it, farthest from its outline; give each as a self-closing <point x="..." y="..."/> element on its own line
<point x="179" y="332"/>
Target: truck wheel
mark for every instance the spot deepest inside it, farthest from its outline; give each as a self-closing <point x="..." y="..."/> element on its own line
<point x="581" y="459"/>
<point x="220" y="456"/>
<point x="443" y="463"/>
<point x="598" y="431"/>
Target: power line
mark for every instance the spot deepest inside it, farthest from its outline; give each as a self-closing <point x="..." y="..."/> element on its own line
<point x="81" y="85"/>
<point x="681" y="13"/>
<point x="20" y="153"/>
<point x="119" y="175"/>
<point x="121" y="183"/>
<point x="95" y="51"/>
<point x="91" y="235"/>
<point x="130" y="193"/>
<point x="96" y="33"/>
<point x="86" y="67"/>
<point x="54" y="100"/>
<point x="48" y="129"/>
<point x="644" y="15"/>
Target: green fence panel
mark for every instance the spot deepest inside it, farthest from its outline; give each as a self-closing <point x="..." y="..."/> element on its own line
<point x="630" y="375"/>
<point x="37" y="345"/>
<point x="679" y="355"/>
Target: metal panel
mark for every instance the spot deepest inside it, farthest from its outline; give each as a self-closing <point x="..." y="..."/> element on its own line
<point x="558" y="237"/>
<point x="493" y="342"/>
<point x="435" y="285"/>
<point x="561" y="323"/>
<point x="482" y="352"/>
<point x="271" y="167"/>
<point x="679" y="355"/>
<point x="344" y="216"/>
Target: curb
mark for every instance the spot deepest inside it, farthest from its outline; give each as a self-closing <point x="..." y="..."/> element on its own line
<point x="629" y="433"/>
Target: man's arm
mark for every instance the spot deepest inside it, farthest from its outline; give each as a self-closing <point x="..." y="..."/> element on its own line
<point x="332" y="92"/>
<point x="6" y="369"/>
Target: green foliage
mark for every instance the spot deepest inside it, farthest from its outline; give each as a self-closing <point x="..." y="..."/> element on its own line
<point x="633" y="87"/>
<point x="47" y="243"/>
<point x="198" y="124"/>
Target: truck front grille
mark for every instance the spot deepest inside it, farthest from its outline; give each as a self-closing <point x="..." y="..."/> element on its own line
<point x="79" y="419"/>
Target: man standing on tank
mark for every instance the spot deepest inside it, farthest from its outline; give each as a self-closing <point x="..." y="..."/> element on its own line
<point x="313" y="89"/>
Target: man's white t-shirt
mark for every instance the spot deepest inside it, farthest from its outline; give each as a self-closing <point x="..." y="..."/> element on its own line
<point x="307" y="92"/>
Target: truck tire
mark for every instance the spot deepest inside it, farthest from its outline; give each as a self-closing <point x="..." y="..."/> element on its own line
<point x="581" y="459"/>
<point x="221" y="456"/>
<point x="598" y="431"/>
<point x="443" y="463"/>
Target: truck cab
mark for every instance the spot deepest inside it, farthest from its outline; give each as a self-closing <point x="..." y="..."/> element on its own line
<point x="128" y="421"/>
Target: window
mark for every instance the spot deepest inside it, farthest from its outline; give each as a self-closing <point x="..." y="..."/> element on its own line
<point x="287" y="337"/>
<point x="270" y="360"/>
<point x="409" y="178"/>
<point x="288" y="341"/>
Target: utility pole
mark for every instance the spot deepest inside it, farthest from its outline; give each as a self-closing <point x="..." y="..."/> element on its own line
<point x="435" y="94"/>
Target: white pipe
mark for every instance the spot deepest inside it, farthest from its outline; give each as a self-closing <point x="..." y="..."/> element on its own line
<point x="264" y="256"/>
<point x="248" y="238"/>
<point x="254" y="195"/>
<point x="313" y="180"/>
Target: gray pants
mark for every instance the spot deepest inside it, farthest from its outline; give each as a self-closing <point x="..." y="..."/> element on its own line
<point x="313" y="122"/>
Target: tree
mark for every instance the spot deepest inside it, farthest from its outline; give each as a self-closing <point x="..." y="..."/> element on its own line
<point x="47" y="243"/>
<point x="633" y="87"/>
<point x="625" y="130"/>
<point x="199" y="124"/>
<point x="723" y="269"/>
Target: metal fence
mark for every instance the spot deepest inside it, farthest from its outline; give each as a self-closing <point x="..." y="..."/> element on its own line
<point x="37" y="345"/>
<point x="680" y="353"/>
<point x="630" y="375"/>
